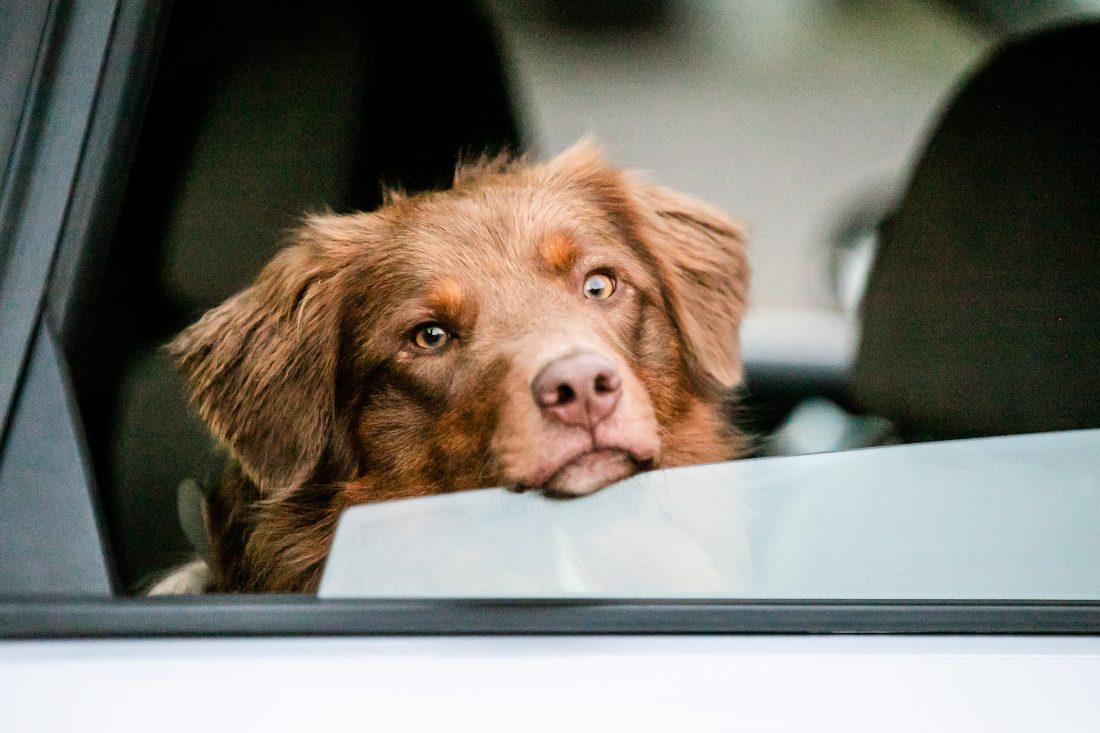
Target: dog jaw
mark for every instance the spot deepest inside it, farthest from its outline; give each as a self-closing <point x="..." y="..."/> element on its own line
<point x="593" y="470"/>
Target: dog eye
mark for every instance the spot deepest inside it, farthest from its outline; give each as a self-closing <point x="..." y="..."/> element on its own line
<point x="431" y="337"/>
<point x="599" y="286"/>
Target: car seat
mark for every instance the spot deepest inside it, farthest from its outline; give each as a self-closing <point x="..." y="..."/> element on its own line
<point x="982" y="312"/>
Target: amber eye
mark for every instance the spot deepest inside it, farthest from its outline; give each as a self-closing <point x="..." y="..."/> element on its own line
<point x="598" y="286"/>
<point x="431" y="337"/>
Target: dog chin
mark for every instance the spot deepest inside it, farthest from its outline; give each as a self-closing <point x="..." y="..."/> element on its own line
<point x="591" y="471"/>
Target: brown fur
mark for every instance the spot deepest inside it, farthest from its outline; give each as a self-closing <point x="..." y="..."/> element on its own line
<point x="312" y="379"/>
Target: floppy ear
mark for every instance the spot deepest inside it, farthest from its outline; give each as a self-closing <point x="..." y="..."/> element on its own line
<point x="261" y="367"/>
<point x="700" y="258"/>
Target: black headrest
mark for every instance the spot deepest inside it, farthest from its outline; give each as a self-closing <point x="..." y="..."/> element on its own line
<point x="264" y="111"/>
<point x="982" y="314"/>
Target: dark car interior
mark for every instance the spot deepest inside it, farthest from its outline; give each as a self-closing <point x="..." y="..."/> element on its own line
<point x="982" y="313"/>
<point x="255" y="118"/>
<point x="981" y="316"/>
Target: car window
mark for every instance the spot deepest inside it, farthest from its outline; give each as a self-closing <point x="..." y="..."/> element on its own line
<point x="804" y="121"/>
<point x="957" y="519"/>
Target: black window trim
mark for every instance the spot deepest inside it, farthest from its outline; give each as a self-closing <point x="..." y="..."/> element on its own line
<point x="304" y="616"/>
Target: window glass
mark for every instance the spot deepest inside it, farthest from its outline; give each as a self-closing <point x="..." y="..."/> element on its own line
<point x="990" y="519"/>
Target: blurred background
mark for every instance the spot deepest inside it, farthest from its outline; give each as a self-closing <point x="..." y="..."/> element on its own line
<point x="798" y="117"/>
<point x="785" y="114"/>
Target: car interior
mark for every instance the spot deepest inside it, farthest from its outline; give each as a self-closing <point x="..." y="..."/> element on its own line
<point x="980" y="316"/>
<point x="297" y="109"/>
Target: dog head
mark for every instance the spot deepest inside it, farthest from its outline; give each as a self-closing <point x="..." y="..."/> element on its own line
<point x="557" y="326"/>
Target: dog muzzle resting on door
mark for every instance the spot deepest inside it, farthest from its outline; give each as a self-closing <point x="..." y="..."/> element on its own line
<point x="555" y="327"/>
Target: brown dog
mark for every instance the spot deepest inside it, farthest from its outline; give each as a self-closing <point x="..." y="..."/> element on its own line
<point x="559" y="326"/>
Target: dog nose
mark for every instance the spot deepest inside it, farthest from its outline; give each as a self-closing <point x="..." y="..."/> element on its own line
<point x="580" y="389"/>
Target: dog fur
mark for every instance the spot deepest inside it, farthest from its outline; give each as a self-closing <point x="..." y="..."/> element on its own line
<point x="317" y="379"/>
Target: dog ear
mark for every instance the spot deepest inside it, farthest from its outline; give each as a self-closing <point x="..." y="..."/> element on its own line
<point x="699" y="254"/>
<point x="261" y="367"/>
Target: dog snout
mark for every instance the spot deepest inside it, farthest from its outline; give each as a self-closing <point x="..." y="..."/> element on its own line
<point x="580" y="389"/>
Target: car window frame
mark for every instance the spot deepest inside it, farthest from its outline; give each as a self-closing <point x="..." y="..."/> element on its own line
<point x="302" y="616"/>
<point x="114" y="68"/>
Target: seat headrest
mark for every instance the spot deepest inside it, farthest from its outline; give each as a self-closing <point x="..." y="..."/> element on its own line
<point x="982" y="313"/>
<point x="265" y="112"/>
